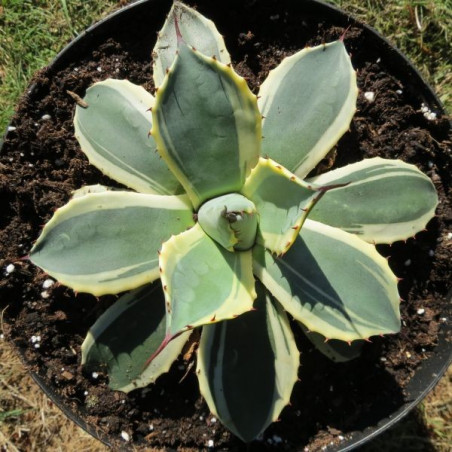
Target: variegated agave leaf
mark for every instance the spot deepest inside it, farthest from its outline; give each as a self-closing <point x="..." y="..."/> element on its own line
<point x="317" y="84"/>
<point x="107" y="242"/>
<point x="200" y="32"/>
<point x="206" y="125"/>
<point x="247" y="367"/>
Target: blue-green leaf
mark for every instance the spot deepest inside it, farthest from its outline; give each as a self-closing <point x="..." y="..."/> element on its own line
<point x="126" y="335"/>
<point x="384" y="201"/>
<point x="108" y="242"/>
<point x="203" y="282"/>
<point x="334" y="283"/>
<point x="196" y="30"/>
<point x="247" y="367"/>
<point x="206" y="125"/>
<point x="308" y="102"/>
<point x="113" y="132"/>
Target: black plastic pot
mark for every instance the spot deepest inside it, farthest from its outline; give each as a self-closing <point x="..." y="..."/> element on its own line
<point x="143" y="18"/>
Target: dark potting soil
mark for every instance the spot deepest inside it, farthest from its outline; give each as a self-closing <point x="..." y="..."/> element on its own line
<point x="41" y="164"/>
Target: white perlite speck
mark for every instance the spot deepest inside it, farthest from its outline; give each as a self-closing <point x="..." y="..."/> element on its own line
<point x="11" y="129"/>
<point x="428" y="114"/>
<point x="95" y="375"/>
<point x="48" y="283"/>
<point x="213" y="420"/>
<point x="46" y="117"/>
<point x="449" y="235"/>
<point x="125" y="436"/>
<point x="421" y="311"/>
<point x="369" y="96"/>
<point x="210" y="443"/>
<point x="45" y="294"/>
<point x="10" y="268"/>
<point x="99" y="69"/>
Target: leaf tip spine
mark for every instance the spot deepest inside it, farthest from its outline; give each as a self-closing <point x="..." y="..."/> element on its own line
<point x="342" y="37"/>
<point x="178" y="33"/>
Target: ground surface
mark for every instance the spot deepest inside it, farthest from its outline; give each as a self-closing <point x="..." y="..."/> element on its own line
<point x="28" y="422"/>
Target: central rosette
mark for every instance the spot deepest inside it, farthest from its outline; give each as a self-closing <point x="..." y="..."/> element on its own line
<point x="231" y="220"/>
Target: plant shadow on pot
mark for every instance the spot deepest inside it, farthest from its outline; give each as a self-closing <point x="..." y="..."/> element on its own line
<point x="41" y="164"/>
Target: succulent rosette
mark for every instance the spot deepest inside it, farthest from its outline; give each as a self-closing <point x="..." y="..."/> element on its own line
<point x="230" y="223"/>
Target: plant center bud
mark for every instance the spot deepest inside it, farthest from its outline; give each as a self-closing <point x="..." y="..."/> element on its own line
<point x="231" y="220"/>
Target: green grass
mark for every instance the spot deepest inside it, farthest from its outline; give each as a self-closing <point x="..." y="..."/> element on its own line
<point x="4" y="415"/>
<point x="31" y="34"/>
<point x="422" y="29"/>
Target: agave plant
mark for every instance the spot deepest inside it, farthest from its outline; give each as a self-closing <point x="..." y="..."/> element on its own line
<point x="230" y="222"/>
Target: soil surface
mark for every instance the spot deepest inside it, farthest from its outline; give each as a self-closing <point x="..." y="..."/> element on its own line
<point x="41" y="163"/>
